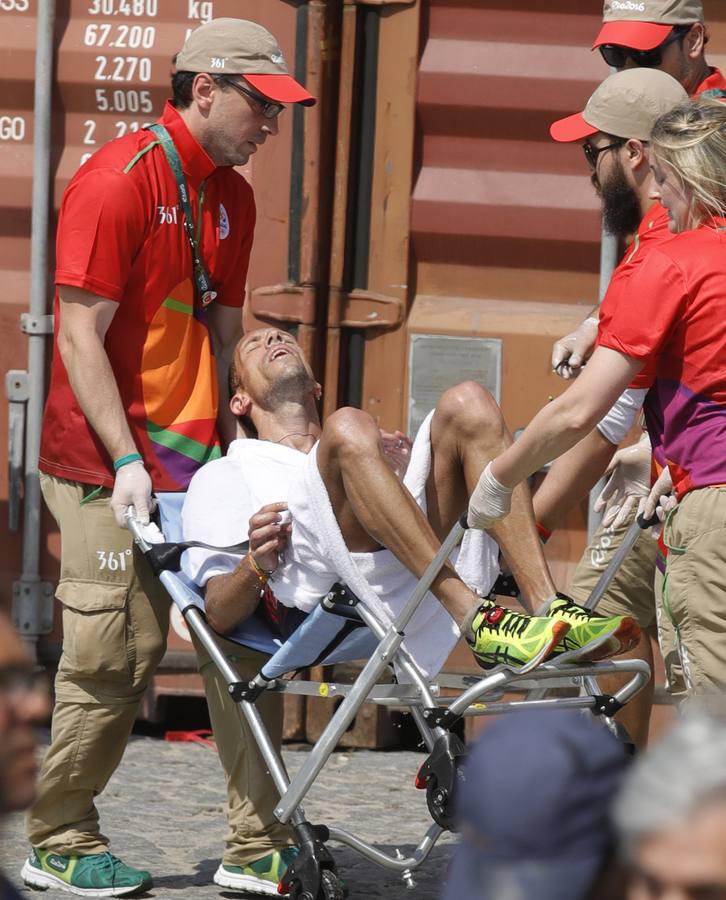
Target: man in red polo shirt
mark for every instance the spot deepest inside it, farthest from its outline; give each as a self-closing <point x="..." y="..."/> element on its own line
<point x="154" y="239"/>
<point x="669" y="35"/>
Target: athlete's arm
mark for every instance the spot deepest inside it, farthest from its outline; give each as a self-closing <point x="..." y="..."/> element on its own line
<point x="230" y="599"/>
<point x="225" y="329"/>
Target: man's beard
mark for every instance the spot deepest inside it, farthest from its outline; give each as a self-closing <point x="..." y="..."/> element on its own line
<point x="621" y="213"/>
<point x="292" y="385"/>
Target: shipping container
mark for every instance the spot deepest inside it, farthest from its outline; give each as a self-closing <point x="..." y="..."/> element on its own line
<point x="415" y="228"/>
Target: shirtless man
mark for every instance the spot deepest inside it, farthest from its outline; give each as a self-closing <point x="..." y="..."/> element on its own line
<point x="383" y="493"/>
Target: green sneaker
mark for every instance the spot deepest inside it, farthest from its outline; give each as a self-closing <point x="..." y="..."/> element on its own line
<point x="500" y="637"/>
<point x="592" y="637"/>
<point x="259" y="877"/>
<point x="97" y="875"/>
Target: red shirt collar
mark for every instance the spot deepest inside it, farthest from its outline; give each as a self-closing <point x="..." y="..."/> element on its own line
<point x="194" y="159"/>
<point x="714" y="82"/>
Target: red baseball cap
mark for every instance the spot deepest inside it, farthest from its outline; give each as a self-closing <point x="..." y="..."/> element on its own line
<point x="241" y="47"/>
<point x="626" y="105"/>
<point x="644" y="24"/>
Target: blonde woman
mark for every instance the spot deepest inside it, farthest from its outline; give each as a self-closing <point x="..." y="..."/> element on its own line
<point x="675" y="321"/>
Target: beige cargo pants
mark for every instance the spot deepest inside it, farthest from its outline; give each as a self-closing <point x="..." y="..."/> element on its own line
<point x="115" y="621"/>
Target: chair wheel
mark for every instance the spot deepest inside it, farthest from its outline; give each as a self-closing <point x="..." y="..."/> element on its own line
<point x="331" y="887"/>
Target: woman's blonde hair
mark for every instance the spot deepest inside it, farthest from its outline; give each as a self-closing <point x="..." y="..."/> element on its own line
<point x="691" y="140"/>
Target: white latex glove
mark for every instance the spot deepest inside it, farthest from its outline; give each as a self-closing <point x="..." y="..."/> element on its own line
<point x="490" y="502"/>
<point x="131" y="488"/>
<point x="570" y="353"/>
<point x="629" y="481"/>
<point x="660" y="501"/>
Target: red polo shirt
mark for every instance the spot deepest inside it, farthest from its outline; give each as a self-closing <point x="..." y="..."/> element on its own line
<point x="677" y="327"/>
<point x="121" y="236"/>
<point x="652" y="230"/>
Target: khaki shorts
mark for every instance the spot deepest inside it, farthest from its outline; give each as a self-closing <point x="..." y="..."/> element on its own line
<point x="694" y="589"/>
<point x="631" y="591"/>
<point x="115" y="612"/>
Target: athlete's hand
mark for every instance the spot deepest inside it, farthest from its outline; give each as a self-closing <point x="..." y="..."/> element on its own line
<point x="397" y="450"/>
<point x="629" y="482"/>
<point x="132" y="487"/>
<point x="660" y="501"/>
<point x="490" y="502"/>
<point x="269" y="535"/>
<point x="570" y="353"/>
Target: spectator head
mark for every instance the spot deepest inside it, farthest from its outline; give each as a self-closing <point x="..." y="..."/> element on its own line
<point x="534" y="811"/>
<point x="671" y="815"/>
<point x="23" y="706"/>
<point x="657" y="34"/>
<point x="689" y="162"/>
<point x="615" y="128"/>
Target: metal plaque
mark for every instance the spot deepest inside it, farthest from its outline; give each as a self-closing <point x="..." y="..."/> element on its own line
<point x="437" y="362"/>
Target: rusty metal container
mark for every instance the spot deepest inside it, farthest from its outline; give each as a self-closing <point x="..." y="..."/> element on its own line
<point x="417" y="226"/>
<point x="111" y="75"/>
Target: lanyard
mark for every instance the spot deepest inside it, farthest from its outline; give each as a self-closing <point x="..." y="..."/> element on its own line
<point x="202" y="281"/>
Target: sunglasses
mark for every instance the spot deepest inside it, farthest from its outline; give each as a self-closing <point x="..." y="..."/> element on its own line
<point x="616" y="56"/>
<point x="268" y="109"/>
<point x="592" y="153"/>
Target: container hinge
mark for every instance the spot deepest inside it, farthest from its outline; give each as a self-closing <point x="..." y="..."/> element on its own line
<point x="285" y="303"/>
<point x="16" y="390"/>
<point x="32" y="606"/>
<point x="30" y="324"/>
<point x="366" y="309"/>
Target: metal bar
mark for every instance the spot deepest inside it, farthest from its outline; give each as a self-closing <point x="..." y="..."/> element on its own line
<point x="637" y="666"/>
<point x="603" y="582"/>
<point x="337" y="725"/>
<point x="44" y="57"/>
<point x="341" y="836"/>
<point x="451" y="541"/>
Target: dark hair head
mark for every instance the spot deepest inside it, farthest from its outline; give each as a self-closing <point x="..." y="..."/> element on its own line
<point x="181" y="87"/>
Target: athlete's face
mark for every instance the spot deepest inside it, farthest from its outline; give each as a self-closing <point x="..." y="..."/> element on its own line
<point x="673" y="195"/>
<point x="236" y="125"/>
<point x="272" y="366"/>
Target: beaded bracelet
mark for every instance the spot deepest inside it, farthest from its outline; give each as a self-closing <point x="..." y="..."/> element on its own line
<point x="262" y="575"/>
<point x="125" y="460"/>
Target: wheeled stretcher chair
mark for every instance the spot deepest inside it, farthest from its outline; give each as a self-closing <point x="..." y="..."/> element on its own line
<point x="341" y="628"/>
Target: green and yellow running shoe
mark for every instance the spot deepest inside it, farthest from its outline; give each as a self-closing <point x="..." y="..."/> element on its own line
<point x="592" y="637"/>
<point x="259" y="877"/>
<point x="501" y="637"/>
<point x="97" y="875"/>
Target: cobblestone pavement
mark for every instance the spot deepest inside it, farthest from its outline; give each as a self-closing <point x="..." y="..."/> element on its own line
<point x="164" y="810"/>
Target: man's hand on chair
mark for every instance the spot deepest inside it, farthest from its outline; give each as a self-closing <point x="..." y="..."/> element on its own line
<point x="132" y="488"/>
<point x="269" y="535"/>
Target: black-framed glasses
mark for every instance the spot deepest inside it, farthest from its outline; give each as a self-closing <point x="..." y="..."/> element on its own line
<point x="617" y="56"/>
<point x="592" y="153"/>
<point x="268" y="109"/>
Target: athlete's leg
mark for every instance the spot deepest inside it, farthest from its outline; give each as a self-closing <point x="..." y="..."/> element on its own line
<point x="467" y="432"/>
<point x="374" y="509"/>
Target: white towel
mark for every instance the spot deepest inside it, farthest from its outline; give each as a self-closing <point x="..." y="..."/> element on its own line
<point x="318" y="557"/>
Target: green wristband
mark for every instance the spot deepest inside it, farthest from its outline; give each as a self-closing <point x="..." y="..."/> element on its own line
<point x="125" y="460"/>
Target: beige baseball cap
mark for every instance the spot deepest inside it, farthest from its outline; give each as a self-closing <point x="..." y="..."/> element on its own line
<point x="625" y="105"/>
<point x="241" y="47"/>
<point x="643" y="24"/>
